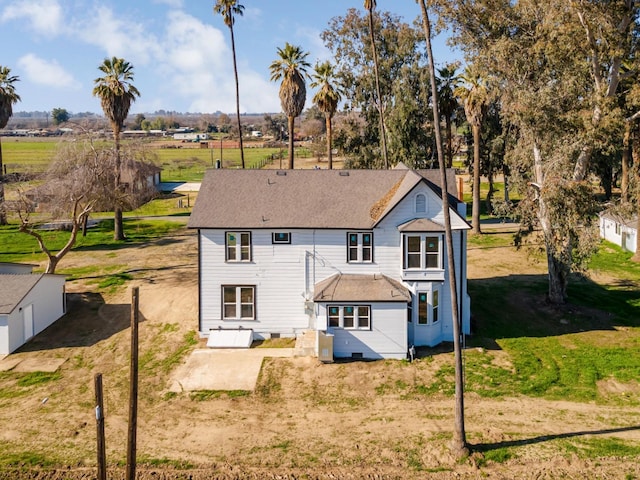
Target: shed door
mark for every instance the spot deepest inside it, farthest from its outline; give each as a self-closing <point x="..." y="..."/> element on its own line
<point x="27" y="315"/>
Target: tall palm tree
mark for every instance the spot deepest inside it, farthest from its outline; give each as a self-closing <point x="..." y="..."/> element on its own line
<point x="228" y="9"/>
<point x="116" y="93"/>
<point x="459" y="443"/>
<point x="327" y="98"/>
<point x="448" y="81"/>
<point x="475" y="97"/>
<point x="291" y="67"/>
<point x="8" y="97"/>
<point x="370" y="6"/>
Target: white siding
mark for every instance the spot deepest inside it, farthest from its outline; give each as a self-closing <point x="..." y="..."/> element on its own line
<point x="4" y="334"/>
<point x="387" y="337"/>
<point x="284" y="276"/>
<point x="608" y="232"/>
<point x="47" y="298"/>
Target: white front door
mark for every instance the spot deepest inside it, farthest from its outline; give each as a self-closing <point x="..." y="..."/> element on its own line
<point x="27" y="315"/>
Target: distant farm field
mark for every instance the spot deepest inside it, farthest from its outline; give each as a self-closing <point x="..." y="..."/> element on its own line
<point x="180" y="162"/>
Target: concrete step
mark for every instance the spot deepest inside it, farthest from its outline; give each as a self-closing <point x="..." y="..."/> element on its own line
<point x="305" y="344"/>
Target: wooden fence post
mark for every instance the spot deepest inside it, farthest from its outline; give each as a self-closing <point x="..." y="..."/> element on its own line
<point x="102" y="457"/>
<point x="133" y="388"/>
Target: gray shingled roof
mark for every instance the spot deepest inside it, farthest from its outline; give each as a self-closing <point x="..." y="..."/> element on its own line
<point x="343" y="287"/>
<point x="305" y="198"/>
<point x="14" y="288"/>
<point x="421" y="225"/>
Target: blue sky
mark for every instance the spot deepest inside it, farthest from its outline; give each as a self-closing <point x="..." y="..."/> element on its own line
<point x="180" y="50"/>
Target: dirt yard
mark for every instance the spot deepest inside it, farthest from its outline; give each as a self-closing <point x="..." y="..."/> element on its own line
<point x="304" y="420"/>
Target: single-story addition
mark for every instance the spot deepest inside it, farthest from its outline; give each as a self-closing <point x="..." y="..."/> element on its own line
<point x="621" y="231"/>
<point x="354" y="256"/>
<point x="29" y="303"/>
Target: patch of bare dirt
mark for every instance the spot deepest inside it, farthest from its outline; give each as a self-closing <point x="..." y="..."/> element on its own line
<point x="347" y="420"/>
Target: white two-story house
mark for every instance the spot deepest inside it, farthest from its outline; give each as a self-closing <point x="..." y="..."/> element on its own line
<point x="356" y="255"/>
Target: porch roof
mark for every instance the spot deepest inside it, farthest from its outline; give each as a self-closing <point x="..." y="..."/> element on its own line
<point x="421" y="225"/>
<point x="343" y="287"/>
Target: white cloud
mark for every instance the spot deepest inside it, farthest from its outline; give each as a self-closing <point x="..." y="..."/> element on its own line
<point x="170" y="3"/>
<point x="118" y="37"/>
<point x="44" y="16"/>
<point x="45" y="72"/>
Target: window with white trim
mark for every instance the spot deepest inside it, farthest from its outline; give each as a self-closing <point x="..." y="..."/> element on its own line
<point x="422" y="251"/>
<point x="359" y="247"/>
<point x="280" y="237"/>
<point x="238" y="247"/>
<point x="238" y="302"/>
<point x="349" y="317"/>
<point x="428" y="307"/>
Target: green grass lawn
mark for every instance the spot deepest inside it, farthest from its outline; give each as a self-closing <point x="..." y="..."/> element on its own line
<point x="184" y="164"/>
<point x="555" y="352"/>
<point x="22" y="248"/>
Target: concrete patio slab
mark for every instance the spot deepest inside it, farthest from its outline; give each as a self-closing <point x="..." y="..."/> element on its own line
<point x="8" y="363"/>
<point x="42" y="364"/>
<point x="228" y="369"/>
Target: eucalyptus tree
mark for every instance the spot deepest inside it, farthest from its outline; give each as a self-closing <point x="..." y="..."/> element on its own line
<point x="8" y="97"/>
<point x="116" y="92"/>
<point x="459" y="444"/>
<point x="327" y="99"/>
<point x="291" y="67"/>
<point x="475" y="98"/>
<point x="558" y="66"/>
<point x="370" y="6"/>
<point x="403" y="83"/>
<point x="229" y="9"/>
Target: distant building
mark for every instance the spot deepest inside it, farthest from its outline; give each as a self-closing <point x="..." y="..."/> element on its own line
<point x="191" y="137"/>
<point x="621" y="231"/>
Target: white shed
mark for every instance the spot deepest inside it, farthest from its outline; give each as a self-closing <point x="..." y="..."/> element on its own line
<point x="29" y="303"/>
<point x="621" y="231"/>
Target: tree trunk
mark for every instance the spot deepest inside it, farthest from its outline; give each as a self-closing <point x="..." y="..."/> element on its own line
<point x="447" y="122"/>
<point x="291" y="122"/>
<point x="489" y="199"/>
<point x="3" y="211"/>
<point x="52" y="264"/>
<point x="558" y="271"/>
<point x="235" y="71"/>
<point x="475" y="209"/>
<point x="383" y="133"/>
<point x="329" y="135"/>
<point x="118" y="228"/>
<point x="626" y="162"/>
<point x="505" y="174"/>
<point x="558" y="277"/>
<point x="459" y="443"/>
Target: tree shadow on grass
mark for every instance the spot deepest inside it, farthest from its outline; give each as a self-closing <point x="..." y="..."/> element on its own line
<point x="515" y="306"/>
<point x="88" y="321"/>
<point x="487" y="447"/>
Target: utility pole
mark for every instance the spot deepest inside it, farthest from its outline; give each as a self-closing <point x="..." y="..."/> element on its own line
<point x="133" y="388"/>
<point x="102" y="457"/>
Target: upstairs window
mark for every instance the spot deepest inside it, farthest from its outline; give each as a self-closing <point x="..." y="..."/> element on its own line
<point x="359" y="247"/>
<point x="423" y="251"/>
<point x="238" y="247"/>
<point x="280" y="237"/>
<point x="421" y="203"/>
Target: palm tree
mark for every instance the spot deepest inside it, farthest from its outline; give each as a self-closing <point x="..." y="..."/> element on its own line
<point x="8" y="97"/>
<point x="370" y="5"/>
<point x="291" y="67"/>
<point x="116" y="93"/>
<point x="229" y="8"/>
<point x="475" y="98"/>
<point x="459" y="443"/>
<point x="448" y="81"/>
<point x="327" y="98"/>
